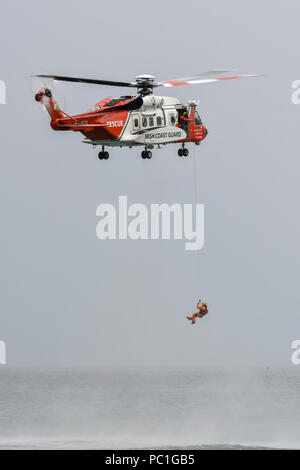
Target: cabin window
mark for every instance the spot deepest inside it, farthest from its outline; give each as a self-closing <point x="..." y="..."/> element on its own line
<point x="198" y="121"/>
<point x="144" y="122"/>
<point x="172" y="119"/>
<point x="159" y="120"/>
<point x="136" y="122"/>
<point x="151" y="121"/>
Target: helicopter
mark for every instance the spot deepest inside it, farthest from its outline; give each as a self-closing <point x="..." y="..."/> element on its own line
<point x="143" y="120"/>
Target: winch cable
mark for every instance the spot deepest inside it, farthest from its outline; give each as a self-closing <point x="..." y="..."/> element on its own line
<point x="196" y="195"/>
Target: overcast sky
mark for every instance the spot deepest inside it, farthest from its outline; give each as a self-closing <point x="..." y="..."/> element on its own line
<point x="68" y="298"/>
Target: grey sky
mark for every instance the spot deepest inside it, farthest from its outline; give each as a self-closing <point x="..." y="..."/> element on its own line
<point x="68" y="298"/>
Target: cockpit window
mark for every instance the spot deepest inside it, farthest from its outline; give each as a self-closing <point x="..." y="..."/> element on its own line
<point x="198" y="121"/>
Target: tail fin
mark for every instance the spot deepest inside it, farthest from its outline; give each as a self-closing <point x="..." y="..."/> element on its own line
<point x="45" y="97"/>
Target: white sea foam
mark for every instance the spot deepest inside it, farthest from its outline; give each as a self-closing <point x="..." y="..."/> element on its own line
<point x="57" y="409"/>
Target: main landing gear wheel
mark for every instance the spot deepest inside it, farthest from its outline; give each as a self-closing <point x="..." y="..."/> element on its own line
<point x="103" y="155"/>
<point x="146" y="154"/>
<point x="183" y="152"/>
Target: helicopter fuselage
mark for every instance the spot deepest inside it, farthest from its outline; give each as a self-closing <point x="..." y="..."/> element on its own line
<point x="130" y="121"/>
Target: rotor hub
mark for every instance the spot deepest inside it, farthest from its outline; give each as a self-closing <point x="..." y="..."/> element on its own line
<point x="145" y="84"/>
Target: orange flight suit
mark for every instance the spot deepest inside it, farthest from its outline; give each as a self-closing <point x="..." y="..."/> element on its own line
<point x="202" y="311"/>
<point x="182" y="117"/>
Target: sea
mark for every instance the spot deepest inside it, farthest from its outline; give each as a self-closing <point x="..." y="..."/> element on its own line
<point x="204" y="408"/>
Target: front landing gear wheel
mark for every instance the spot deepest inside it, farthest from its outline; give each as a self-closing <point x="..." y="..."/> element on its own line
<point x="185" y="152"/>
<point x="180" y="152"/>
<point x="146" y="154"/>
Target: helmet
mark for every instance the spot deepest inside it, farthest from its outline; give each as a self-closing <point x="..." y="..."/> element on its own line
<point x="204" y="304"/>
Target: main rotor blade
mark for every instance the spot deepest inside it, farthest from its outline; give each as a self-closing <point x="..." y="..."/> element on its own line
<point x="89" y="80"/>
<point x="209" y="73"/>
<point x="198" y="81"/>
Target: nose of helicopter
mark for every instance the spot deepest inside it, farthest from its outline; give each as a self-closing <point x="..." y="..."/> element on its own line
<point x="204" y="132"/>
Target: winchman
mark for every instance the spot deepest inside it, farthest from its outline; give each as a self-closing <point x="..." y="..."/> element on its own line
<point x="183" y="117"/>
<point x="202" y="311"/>
<point x="184" y="120"/>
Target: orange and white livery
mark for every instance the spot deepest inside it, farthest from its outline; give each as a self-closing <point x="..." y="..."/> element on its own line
<point x="144" y="120"/>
